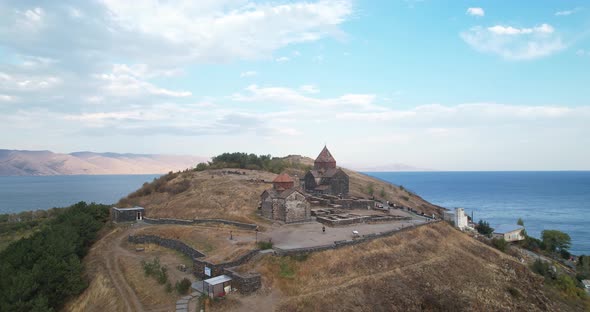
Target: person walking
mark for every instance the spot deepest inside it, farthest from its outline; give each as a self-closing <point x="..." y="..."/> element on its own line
<point x="324" y="229"/>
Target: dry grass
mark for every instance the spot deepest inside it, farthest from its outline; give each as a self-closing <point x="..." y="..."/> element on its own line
<point x="100" y="296"/>
<point x="212" y="241"/>
<point x="429" y="268"/>
<point x="149" y="292"/>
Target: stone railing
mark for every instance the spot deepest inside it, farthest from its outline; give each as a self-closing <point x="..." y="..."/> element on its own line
<point x="168" y="243"/>
<point x="246" y="226"/>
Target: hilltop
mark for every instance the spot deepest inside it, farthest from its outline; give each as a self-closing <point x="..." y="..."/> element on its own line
<point x="43" y="163"/>
<point x="235" y="193"/>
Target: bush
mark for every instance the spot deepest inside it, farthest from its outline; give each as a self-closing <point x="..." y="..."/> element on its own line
<point x="500" y="244"/>
<point x="183" y="286"/>
<point x="265" y="245"/>
<point x="568" y="286"/>
<point x="542" y="268"/>
<point x="153" y="268"/>
<point x="168" y="287"/>
<point x="513" y="292"/>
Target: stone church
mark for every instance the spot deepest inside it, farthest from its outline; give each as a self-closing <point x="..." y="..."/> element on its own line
<point x="284" y="202"/>
<point x="325" y="178"/>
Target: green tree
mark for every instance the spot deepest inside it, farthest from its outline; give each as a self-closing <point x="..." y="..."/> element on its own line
<point x="520" y="222"/>
<point x="483" y="227"/>
<point x="382" y="193"/>
<point x="555" y="240"/>
<point x="370" y="189"/>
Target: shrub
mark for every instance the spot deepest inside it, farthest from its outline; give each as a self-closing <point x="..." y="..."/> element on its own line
<point x="542" y="268"/>
<point x="568" y="286"/>
<point x="183" y="286"/>
<point x="500" y="244"/>
<point x="513" y="292"/>
<point x="168" y="287"/>
<point x="265" y="245"/>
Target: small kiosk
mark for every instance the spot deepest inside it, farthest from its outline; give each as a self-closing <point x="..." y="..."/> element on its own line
<point x="217" y="286"/>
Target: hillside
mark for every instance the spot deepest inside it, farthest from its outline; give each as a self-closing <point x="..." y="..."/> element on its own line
<point x="430" y="268"/>
<point x="42" y="163"/>
<point x="221" y="193"/>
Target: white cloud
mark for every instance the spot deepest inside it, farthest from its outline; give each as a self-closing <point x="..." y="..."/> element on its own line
<point x="515" y="43"/>
<point x="475" y="12"/>
<point x="509" y="30"/>
<point x="309" y="89"/>
<point x="120" y="84"/>
<point x="294" y="98"/>
<point x="226" y="30"/>
<point x="282" y="59"/>
<point x="7" y="98"/>
<point x="249" y="73"/>
<point x="567" y="12"/>
<point x="27" y="82"/>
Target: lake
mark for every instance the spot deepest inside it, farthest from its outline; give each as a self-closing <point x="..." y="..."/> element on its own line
<point x="43" y="192"/>
<point x="544" y="200"/>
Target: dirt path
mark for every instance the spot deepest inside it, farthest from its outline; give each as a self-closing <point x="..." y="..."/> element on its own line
<point x="111" y="250"/>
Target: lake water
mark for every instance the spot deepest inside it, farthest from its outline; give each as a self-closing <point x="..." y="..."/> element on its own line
<point x="544" y="200"/>
<point x="43" y="192"/>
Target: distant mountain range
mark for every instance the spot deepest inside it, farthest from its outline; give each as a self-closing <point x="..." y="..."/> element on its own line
<point x="42" y="163"/>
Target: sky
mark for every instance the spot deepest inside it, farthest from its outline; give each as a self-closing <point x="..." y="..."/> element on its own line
<point x="445" y="85"/>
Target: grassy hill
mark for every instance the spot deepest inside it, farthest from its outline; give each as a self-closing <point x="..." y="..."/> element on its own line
<point x="223" y="193"/>
<point x="430" y="268"/>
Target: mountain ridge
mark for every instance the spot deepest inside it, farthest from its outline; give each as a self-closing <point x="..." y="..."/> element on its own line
<point x="45" y="163"/>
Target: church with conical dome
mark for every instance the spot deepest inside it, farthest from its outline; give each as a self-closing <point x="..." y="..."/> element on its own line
<point x="325" y="177"/>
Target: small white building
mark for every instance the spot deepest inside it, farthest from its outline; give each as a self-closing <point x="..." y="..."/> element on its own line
<point x="510" y="233"/>
<point x="461" y="219"/>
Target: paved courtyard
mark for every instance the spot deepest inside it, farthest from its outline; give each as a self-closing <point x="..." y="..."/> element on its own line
<point x="310" y="234"/>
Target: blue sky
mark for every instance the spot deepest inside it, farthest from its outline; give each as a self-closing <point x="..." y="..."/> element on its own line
<point x="461" y="85"/>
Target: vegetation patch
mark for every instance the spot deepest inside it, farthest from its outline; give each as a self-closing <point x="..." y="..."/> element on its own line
<point x="286" y="268"/>
<point x="41" y="271"/>
<point x="183" y="286"/>
<point x="154" y="269"/>
<point x="250" y="161"/>
<point x="265" y="245"/>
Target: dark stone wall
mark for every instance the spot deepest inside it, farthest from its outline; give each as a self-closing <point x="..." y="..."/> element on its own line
<point x="168" y="243"/>
<point x="355" y="203"/>
<point x="309" y="182"/>
<point x="199" y="221"/>
<point x="219" y="269"/>
<point x="244" y="283"/>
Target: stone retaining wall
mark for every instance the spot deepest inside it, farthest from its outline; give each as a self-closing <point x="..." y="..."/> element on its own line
<point x="344" y="243"/>
<point x="199" y="221"/>
<point x="168" y="243"/>
<point x="245" y="283"/>
<point x="219" y="269"/>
